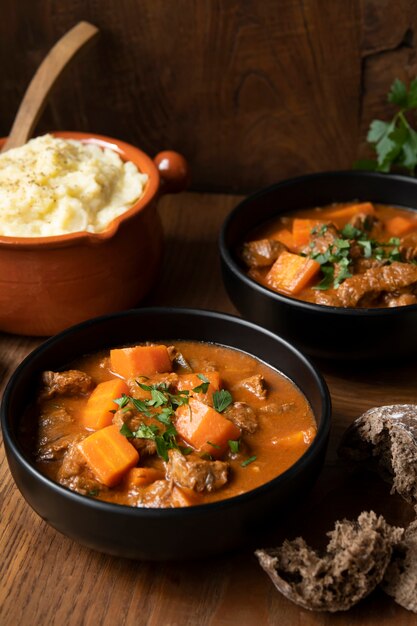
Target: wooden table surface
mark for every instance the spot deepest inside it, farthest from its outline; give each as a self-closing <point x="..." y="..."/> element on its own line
<point x="46" y="578"/>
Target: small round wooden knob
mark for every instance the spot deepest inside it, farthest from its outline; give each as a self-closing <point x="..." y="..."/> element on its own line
<point x="173" y="170"/>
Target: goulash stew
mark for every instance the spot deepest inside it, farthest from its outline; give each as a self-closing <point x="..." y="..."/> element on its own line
<point x="344" y="255"/>
<point x="167" y="425"/>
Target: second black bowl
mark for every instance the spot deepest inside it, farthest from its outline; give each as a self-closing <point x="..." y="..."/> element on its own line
<point x="323" y="331"/>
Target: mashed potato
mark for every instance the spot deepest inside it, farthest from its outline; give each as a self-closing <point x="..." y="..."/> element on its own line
<point x="52" y="186"/>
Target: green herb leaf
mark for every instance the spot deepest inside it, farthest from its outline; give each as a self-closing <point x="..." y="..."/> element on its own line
<point x="398" y="93"/>
<point x="204" y="385"/>
<point x="93" y="493"/>
<point x="185" y="450"/>
<point x="248" y="461"/>
<point x="158" y="398"/>
<point x="125" y="431"/>
<point x="221" y="400"/>
<point x="234" y="445"/>
<point x="343" y="272"/>
<point x="143" y="386"/>
<point x="377" y="130"/>
<point x="412" y="95"/>
<point x="146" y="432"/>
<point x="141" y="406"/>
<point x="165" y="415"/>
<point x="350" y="232"/>
<point x="214" y="445"/>
<point x="327" y="281"/>
<point x="161" y="447"/>
<point x="122" y="401"/>
<point x="395" y="142"/>
<point x="367" y="248"/>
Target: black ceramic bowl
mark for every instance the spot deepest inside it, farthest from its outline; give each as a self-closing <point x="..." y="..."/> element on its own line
<point x="159" y="534"/>
<point x="331" y="332"/>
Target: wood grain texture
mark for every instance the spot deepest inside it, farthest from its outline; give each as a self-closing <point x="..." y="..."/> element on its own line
<point x="45" y="79"/>
<point x="47" y="579"/>
<point x="251" y="92"/>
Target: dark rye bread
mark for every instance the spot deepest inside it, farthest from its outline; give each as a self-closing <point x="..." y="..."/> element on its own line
<point x="354" y="563"/>
<point x="400" y="580"/>
<point x="387" y="434"/>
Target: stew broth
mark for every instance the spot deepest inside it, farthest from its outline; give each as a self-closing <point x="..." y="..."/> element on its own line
<point x="274" y="428"/>
<point x="334" y="255"/>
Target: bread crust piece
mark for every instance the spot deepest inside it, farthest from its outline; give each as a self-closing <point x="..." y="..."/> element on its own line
<point x="354" y="563"/>
<point x="400" y="579"/>
<point x="389" y="435"/>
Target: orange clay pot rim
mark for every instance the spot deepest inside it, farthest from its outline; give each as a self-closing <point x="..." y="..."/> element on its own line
<point x="128" y="153"/>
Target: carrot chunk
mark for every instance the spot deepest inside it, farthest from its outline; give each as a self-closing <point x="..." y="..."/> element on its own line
<point x="398" y="226"/>
<point x="301" y="230"/>
<point x="142" y="476"/>
<point x="96" y="413"/>
<point x="298" y="438"/>
<point x="192" y="381"/>
<point x="347" y="212"/>
<point x="204" y="428"/>
<point x="286" y="237"/>
<point x="291" y="273"/>
<point x="182" y="496"/>
<point x="108" y="454"/>
<point x="140" y="361"/>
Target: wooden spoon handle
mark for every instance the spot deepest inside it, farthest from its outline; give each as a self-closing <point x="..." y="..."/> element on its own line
<point x="52" y="67"/>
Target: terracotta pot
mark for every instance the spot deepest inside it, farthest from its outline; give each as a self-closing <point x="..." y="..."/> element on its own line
<point x="50" y="283"/>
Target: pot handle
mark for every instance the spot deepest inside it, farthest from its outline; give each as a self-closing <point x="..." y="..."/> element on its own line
<point x="173" y="170"/>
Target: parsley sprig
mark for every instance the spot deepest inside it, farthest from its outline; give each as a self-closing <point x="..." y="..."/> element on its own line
<point x="221" y="400"/>
<point x="394" y="142"/>
<point x="336" y="261"/>
<point x="161" y="406"/>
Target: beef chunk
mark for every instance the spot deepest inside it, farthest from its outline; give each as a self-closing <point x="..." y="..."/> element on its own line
<point x="354" y="563"/>
<point x="262" y="253"/>
<point x="327" y="298"/>
<point x="69" y="383"/>
<point x="256" y="385"/>
<point x="408" y="247"/>
<point x="400" y="580"/>
<point x="402" y="299"/>
<point x="363" y="289"/>
<point x="75" y="474"/>
<point x="387" y="434"/>
<point x="168" y="379"/>
<point x="369" y="224"/>
<point x="178" y="358"/>
<point x="163" y="494"/>
<point x="55" y="434"/>
<point x="322" y="236"/>
<point x="243" y="416"/>
<point x="133" y="420"/>
<point x="195" y="473"/>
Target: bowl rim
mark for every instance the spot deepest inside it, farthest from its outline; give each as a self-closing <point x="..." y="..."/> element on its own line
<point x="319" y="441"/>
<point x="127" y="152"/>
<point x="229" y="259"/>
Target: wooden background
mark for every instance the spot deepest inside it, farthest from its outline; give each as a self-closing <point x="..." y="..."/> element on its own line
<point x="251" y="92"/>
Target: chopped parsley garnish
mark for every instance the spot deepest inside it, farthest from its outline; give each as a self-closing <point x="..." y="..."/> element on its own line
<point x="161" y="407"/>
<point x="248" y="461"/>
<point x="234" y="445"/>
<point x="214" y="445"/>
<point x="204" y="385"/>
<point x="93" y="493"/>
<point x="122" y="401"/>
<point x="336" y="261"/>
<point x="221" y="400"/>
